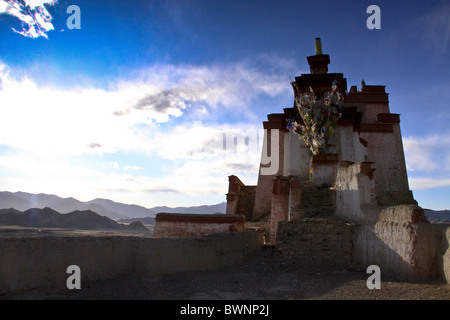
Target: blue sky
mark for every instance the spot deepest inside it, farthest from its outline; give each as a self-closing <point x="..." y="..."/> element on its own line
<point x="135" y="105"/>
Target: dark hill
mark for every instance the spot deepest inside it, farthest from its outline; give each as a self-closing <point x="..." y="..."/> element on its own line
<point x="49" y="218"/>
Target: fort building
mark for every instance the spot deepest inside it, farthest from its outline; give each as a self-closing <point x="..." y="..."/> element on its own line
<point x="336" y="187"/>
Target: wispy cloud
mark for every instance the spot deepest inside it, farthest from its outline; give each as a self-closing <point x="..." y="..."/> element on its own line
<point x="437" y="26"/>
<point x="216" y="87"/>
<point x="33" y="14"/>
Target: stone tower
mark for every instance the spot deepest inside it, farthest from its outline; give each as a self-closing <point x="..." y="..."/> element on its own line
<point x="365" y="133"/>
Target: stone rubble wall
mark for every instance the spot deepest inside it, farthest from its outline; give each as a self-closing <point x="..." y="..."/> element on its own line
<point x="316" y="240"/>
<point x="246" y="202"/>
<point x="444" y="253"/>
<point x="318" y="201"/>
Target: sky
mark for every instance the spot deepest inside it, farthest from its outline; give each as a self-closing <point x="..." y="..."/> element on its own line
<point x="158" y="102"/>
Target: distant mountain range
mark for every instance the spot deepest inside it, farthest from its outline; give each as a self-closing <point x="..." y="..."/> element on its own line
<point x="49" y="218"/>
<point x="23" y="201"/>
<point x="438" y="216"/>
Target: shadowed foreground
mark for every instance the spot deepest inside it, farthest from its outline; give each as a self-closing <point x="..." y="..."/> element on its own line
<point x="260" y="277"/>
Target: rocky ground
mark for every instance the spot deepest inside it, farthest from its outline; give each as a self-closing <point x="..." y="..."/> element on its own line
<point x="265" y="276"/>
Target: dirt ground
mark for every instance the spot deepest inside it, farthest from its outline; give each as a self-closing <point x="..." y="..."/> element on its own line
<point x="264" y="276"/>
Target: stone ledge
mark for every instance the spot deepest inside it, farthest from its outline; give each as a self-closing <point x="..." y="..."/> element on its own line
<point x="389" y="117"/>
<point x="326" y="158"/>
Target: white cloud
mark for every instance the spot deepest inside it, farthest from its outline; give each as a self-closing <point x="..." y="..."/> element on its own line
<point x="135" y="168"/>
<point x="428" y="183"/>
<point x="33" y="4"/>
<point x="114" y="164"/>
<point x="428" y="161"/>
<point x="35" y="18"/>
<point x="63" y="122"/>
<point x="96" y="121"/>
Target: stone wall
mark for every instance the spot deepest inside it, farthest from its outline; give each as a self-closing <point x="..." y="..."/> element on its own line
<point x="433" y="240"/>
<point x="399" y="240"/>
<point x="175" y="225"/>
<point x="444" y="253"/>
<point x="28" y="263"/>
